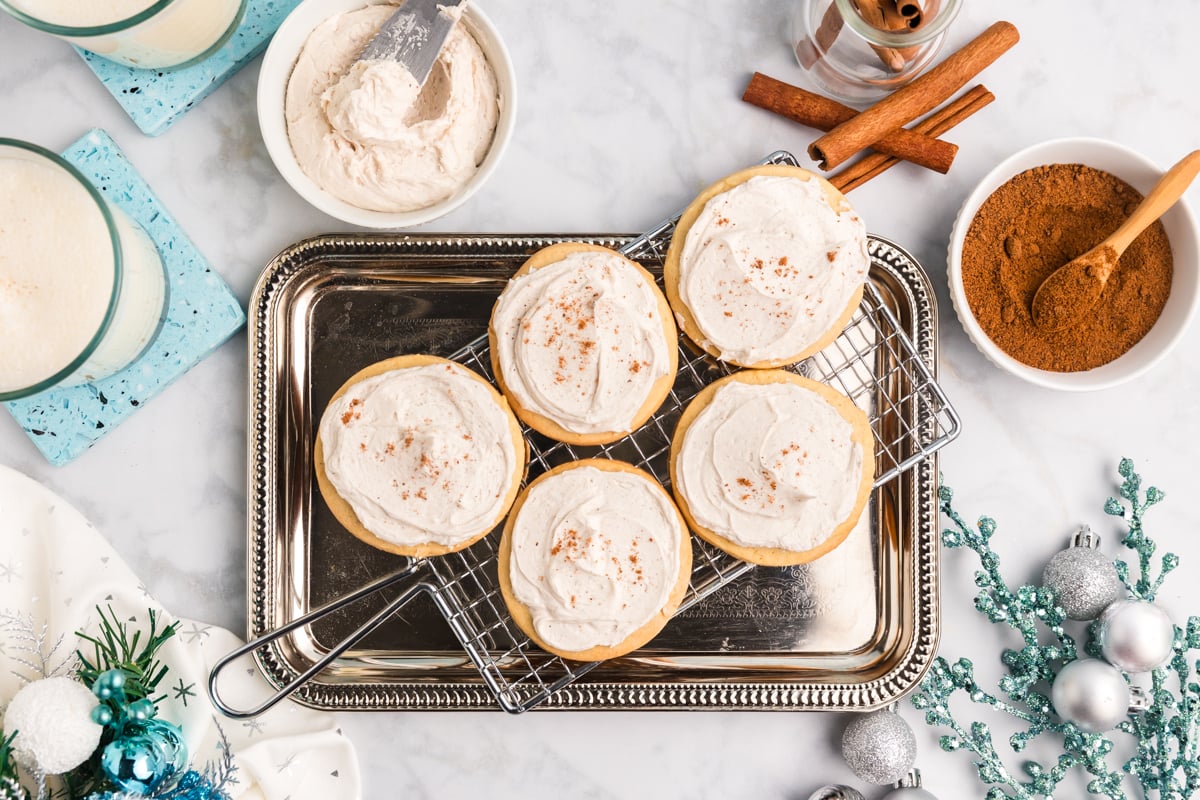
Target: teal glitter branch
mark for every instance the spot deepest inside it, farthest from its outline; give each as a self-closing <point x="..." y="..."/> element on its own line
<point x="1166" y="762"/>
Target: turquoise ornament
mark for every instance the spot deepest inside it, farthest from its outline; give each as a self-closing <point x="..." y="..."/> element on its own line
<point x="136" y="764"/>
<point x="145" y="757"/>
<point x="142" y="710"/>
<point x="102" y="715"/>
<point x="194" y="786"/>
<point x="109" y="684"/>
<point x="171" y="738"/>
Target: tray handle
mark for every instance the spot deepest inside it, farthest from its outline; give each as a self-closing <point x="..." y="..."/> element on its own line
<point x="406" y="574"/>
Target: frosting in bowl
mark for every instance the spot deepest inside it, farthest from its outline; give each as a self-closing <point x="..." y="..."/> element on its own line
<point x="422" y="454"/>
<point x="769" y="266"/>
<point x="769" y="465"/>
<point x="595" y="555"/>
<point x="369" y="135"/>
<point x="581" y="341"/>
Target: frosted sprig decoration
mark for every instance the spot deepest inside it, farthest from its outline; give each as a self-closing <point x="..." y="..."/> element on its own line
<point x="1166" y="763"/>
<point x="30" y="646"/>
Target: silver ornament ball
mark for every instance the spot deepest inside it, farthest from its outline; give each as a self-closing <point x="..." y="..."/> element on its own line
<point x="1136" y="636"/>
<point x="879" y="747"/>
<point x="909" y="788"/>
<point x="1083" y="579"/>
<point x="1092" y="694"/>
<point x="837" y="792"/>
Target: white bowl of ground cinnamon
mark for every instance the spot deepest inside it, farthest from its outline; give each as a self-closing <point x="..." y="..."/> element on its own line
<point x="1037" y="210"/>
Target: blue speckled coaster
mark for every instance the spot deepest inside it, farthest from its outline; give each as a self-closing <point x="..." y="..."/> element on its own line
<point x="202" y="313"/>
<point x="154" y="100"/>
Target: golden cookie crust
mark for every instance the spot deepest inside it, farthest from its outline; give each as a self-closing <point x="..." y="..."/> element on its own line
<point x="524" y="618"/>
<point x="345" y="514"/>
<point x="671" y="270"/>
<point x="658" y="390"/>
<point x="771" y="556"/>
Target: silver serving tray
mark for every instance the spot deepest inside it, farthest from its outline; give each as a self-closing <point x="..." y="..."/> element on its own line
<point x="854" y="630"/>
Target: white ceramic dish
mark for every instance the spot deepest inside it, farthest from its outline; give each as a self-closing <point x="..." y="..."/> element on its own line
<point x="272" y="86"/>
<point x="1179" y="223"/>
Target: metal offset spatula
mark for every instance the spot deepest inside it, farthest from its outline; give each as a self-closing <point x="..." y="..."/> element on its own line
<point x="413" y="36"/>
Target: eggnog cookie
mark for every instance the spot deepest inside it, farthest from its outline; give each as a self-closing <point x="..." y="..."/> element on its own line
<point x="772" y="468"/>
<point x="419" y="456"/>
<point x="594" y="560"/>
<point x="583" y="344"/>
<point x="766" y="266"/>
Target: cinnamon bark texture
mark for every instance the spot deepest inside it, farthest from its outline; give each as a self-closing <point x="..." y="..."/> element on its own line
<point x="873" y="12"/>
<point x="824" y="114"/>
<point x="917" y="98"/>
<point x="935" y="124"/>
<point x="809" y="53"/>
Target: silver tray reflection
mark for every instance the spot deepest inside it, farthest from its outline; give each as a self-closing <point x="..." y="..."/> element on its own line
<point x="854" y="630"/>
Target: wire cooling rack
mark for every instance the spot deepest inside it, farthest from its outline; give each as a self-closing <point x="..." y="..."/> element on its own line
<point x="873" y="362"/>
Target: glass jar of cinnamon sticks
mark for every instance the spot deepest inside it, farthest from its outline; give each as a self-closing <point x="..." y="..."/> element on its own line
<point x="863" y="49"/>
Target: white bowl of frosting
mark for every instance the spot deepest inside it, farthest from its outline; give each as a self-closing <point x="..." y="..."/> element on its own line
<point x="332" y="128"/>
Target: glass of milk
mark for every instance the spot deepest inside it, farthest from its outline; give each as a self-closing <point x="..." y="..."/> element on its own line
<point x="151" y="34"/>
<point x="82" y="287"/>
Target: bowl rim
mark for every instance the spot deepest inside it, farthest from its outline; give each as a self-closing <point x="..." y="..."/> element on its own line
<point x="1062" y="381"/>
<point x="285" y="46"/>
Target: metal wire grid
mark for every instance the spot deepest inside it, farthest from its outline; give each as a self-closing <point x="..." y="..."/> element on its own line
<point x="467" y="590"/>
<point x="873" y="362"/>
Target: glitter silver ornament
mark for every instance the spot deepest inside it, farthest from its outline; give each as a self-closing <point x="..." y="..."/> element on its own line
<point x="1092" y="694"/>
<point x="909" y="788"/>
<point x="1136" y="636"/>
<point x="879" y="747"/>
<point x="838" y="792"/>
<point x="1083" y="579"/>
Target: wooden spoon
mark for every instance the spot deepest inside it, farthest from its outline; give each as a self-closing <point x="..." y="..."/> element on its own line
<point x="1069" y="293"/>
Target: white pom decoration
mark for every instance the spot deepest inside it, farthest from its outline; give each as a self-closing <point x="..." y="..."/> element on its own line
<point x="52" y="718"/>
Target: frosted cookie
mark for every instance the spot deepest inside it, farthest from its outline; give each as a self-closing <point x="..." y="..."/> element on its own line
<point x="419" y="456"/>
<point x="766" y="266"/>
<point x="583" y="344"/>
<point x="594" y="560"/>
<point x="772" y="468"/>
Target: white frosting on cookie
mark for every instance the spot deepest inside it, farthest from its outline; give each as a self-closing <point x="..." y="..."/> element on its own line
<point x="769" y="465"/>
<point x="369" y="135"/>
<point x="595" y="555"/>
<point x="422" y="454"/>
<point x="768" y="267"/>
<point x="581" y="341"/>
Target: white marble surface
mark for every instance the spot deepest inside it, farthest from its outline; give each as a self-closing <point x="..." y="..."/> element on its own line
<point x="627" y="109"/>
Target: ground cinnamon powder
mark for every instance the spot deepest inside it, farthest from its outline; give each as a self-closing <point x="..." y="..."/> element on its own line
<point x="1031" y="226"/>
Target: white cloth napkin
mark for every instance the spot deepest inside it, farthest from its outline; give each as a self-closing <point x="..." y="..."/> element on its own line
<point x="55" y="568"/>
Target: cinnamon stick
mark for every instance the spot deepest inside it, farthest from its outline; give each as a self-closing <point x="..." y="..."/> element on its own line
<point x="824" y="114"/>
<point x="895" y="22"/>
<point x="809" y="52"/>
<point x="872" y="11"/>
<point x="922" y="95"/>
<point x="935" y="124"/>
